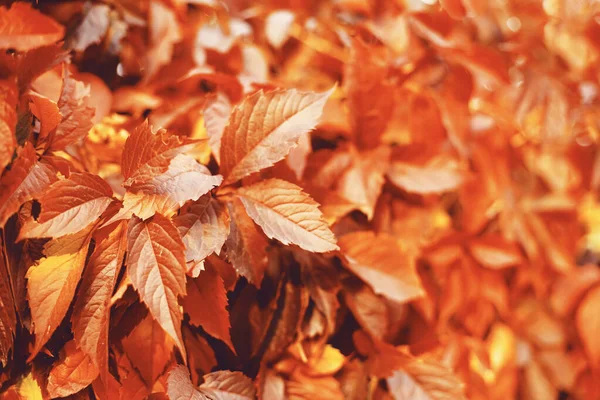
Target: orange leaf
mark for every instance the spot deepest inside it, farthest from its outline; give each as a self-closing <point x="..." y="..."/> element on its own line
<point x="52" y="282"/>
<point x="217" y="385"/>
<point x="362" y="183"/>
<point x="156" y="268"/>
<point x="8" y="317"/>
<point x="147" y="154"/>
<point x="204" y="227"/>
<point x="72" y="373"/>
<point x="216" y="115"/>
<point x="206" y="304"/>
<point x="379" y="261"/>
<point x="47" y="112"/>
<point x="495" y="252"/>
<point x="246" y="245"/>
<point x="8" y="121"/>
<point x="76" y="115"/>
<point x="588" y="325"/>
<point x="22" y="28"/>
<point x="184" y="180"/>
<point x="265" y="127"/>
<point x="149" y="349"/>
<point x="287" y="214"/>
<point x="435" y="177"/>
<point x="26" y="179"/>
<point x="425" y="379"/>
<point x="370" y="96"/>
<point x="91" y="310"/>
<point x="69" y="205"/>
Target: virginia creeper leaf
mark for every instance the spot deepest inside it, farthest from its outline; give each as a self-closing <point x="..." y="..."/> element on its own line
<point x="52" y="282"/>
<point x="91" y="310"/>
<point x="206" y="303"/>
<point x="26" y="179"/>
<point x="22" y="28"/>
<point x="69" y="205"/>
<point x="287" y="214"/>
<point x="156" y="268"/>
<point x="265" y="127"/>
<point x="246" y="245"/>
<point x="8" y="120"/>
<point x="72" y="373"/>
<point x="380" y="262"/>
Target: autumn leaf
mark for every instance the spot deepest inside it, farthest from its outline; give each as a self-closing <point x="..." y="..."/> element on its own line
<point x="29" y="388"/>
<point x="370" y="95"/>
<point x="164" y="32"/>
<point x="52" y="282"/>
<point x="185" y="179"/>
<point x="47" y="112"/>
<point x="156" y="267"/>
<point x="216" y="116"/>
<point x="8" y="316"/>
<point x="588" y="324"/>
<point x="287" y="214"/>
<point x="72" y="373"/>
<point x="92" y="28"/>
<point x="27" y="178"/>
<point x="220" y="384"/>
<point x="206" y="301"/>
<point x="149" y="349"/>
<point x="246" y="245"/>
<point x="363" y="181"/>
<point x="8" y="121"/>
<point x="425" y="379"/>
<point x="495" y="252"/>
<point x="146" y="154"/>
<point x="68" y="206"/>
<point x="380" y="262"/>
<point x="204" y="227"/>
<point x="435" y="177"/>
<point x="76" y="115"/>
<point x="265" y="127"/>
<point x="22" y="28"/>
<point x="91" y="310"/>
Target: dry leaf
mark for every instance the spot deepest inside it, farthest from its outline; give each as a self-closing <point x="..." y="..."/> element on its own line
<point x="286" y="213"/>
<point x="23" y="28"/>
<point x="156" y="268"/>
<point x="265" y="127"/>
<point x="380" y="262"/>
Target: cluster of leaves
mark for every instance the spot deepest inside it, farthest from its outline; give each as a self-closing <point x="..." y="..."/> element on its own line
<point x="345" y="199"/>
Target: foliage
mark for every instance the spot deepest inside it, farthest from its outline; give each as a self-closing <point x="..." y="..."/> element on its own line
<point x="344" y="199"/>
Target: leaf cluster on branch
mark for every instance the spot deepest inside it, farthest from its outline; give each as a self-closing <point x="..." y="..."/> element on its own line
<point x="283" y="199"/>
